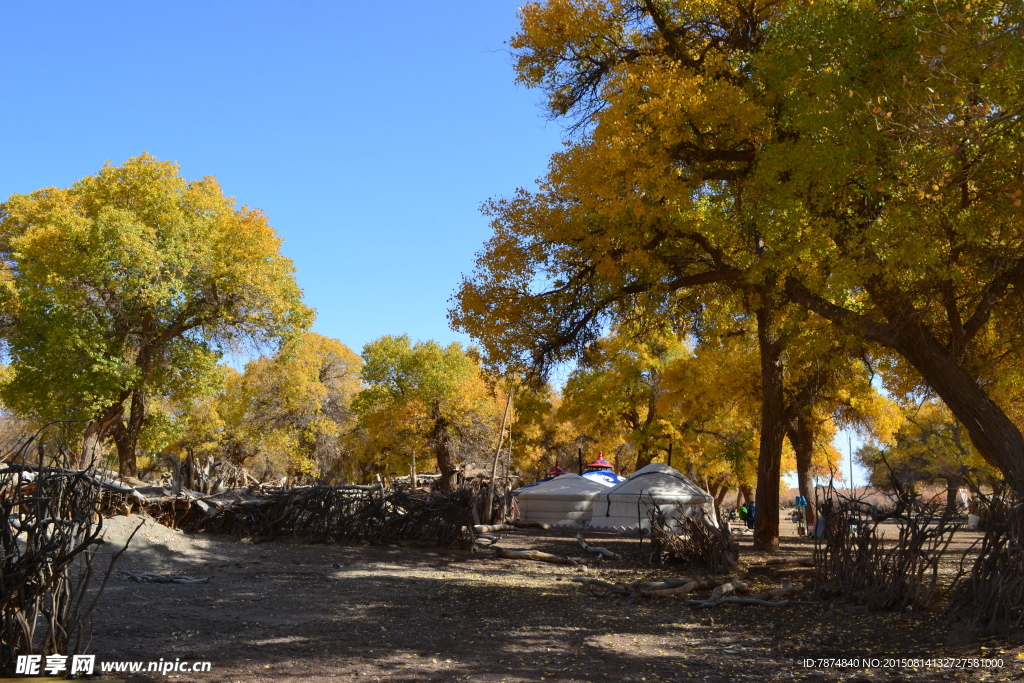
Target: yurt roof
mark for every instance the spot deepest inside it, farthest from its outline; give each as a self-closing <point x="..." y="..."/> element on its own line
<point x="658" y="479"/>
<point x="604" y="477"/>
<point x="565" y="485"/>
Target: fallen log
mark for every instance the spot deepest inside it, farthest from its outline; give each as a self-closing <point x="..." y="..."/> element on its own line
<point x="738" y="601"/>
<point x="663" y="584"/>
<point x="145" y="577"/>
<point x="703" y="584"/>
<point x="780" y="593"/>
<point x="491" y="528"/>
<point x="535" y="555"/>
<point x="490" y="540"/>
<point x="596" y="549"/>
<point x="731" y="586"/>
<point x="527" y="524"/>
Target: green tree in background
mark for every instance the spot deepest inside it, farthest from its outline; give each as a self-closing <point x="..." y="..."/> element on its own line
<point x="130" y="285"/>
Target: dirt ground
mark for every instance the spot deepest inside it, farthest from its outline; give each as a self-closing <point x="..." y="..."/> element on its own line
<point x="285" y="611"/>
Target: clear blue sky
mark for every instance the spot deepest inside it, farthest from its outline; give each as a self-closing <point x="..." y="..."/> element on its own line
<point x="368" y="133"/>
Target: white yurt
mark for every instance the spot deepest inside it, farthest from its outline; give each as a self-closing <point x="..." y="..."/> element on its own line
<point x="625" y="507"/>
<point x="567" y="500"/>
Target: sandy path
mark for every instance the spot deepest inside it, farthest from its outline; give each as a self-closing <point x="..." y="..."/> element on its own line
<point x="297" y="612"/>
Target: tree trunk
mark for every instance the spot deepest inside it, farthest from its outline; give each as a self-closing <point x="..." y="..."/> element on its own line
<point x="721" y="490"/>
<point x="996" y="437"/>
<point x="720" y="498"/>
<point x="746" y="494"/>
<point x="126" y="435"/>
<point x="644" y="456"/>
<point x="95" y="432"/>
<point x="489" y="509"/>
<point x="441" y="442"/>
<point x="91" y="445"/>
<point x="773" y="429"/>
<point x="952" y="495"/>
<point x="801" y="437"/>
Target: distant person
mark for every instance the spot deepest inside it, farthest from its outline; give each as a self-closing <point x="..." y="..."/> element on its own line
<point x="747" y="514"/>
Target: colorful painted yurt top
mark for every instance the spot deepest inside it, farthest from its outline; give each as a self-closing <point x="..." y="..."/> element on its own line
<point x="556" y="471"/>
<point x="606" y="477"/>
<point x="600" y="464"/>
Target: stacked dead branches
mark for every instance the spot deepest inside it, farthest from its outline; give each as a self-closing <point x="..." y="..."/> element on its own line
<point x="50" y="530"/>
<point x="853" y="561"/>
<point x="992" y="595"/>
<point x="320" y="514"/>
<point x="680" y="539"/>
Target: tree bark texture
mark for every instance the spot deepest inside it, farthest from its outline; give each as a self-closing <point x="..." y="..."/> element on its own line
<point x="126" y="435"/>
<point x="441" y="442"/>
<point x="801" y="437"/>
<point x="773" y="429"/>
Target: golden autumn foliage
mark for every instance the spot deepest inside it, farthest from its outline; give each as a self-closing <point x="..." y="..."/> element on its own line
<point x="424" y="405"/>
<point x="286" y="415"/>
<point x="850" y="161"/>
<point x="711" y="402"/>
<point x="930" y="447"/>
<point x="612" y="398"/>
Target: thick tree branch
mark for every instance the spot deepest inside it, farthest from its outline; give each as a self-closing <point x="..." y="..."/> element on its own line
<point x="990" y="296"/>
<point x="871" y="329"/>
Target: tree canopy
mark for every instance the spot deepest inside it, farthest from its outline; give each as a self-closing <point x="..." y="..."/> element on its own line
<point x="131" y="285"/>
<point x="615" y="392"/>
<point x="853" y="161"/>
<point x="425" y="400"/>
<point x="929" y="447"/>
<point x="291" y="411"/>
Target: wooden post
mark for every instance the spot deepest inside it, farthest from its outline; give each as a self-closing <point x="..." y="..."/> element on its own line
<point x="497" y="453"/>
<point x="579" y="457"/>
<point x="412" y="469"/>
